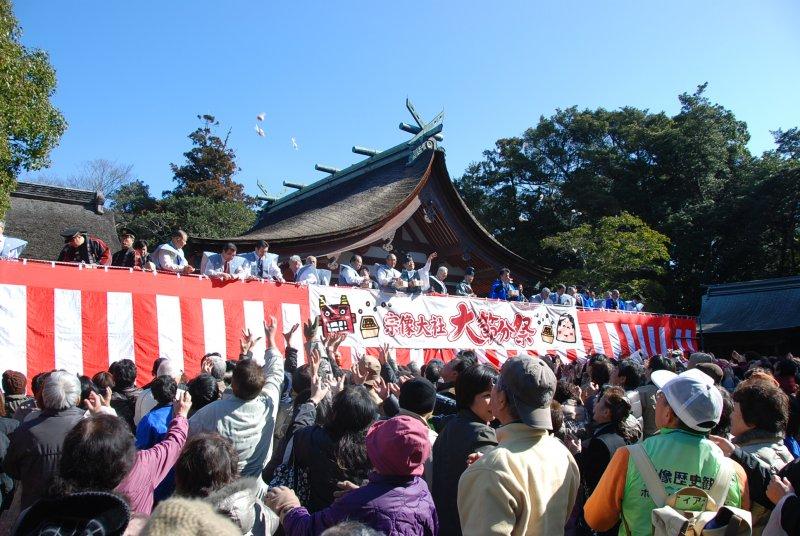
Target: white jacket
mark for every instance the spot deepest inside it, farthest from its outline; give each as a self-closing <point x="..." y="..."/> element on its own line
<point x="249" y="424"/>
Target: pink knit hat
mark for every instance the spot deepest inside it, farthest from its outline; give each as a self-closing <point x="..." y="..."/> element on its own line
<point x="398" y="446"/>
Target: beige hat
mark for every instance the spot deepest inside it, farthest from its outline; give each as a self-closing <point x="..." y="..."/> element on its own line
<point x="185" y="517"/>
<point x="373" y="369"/>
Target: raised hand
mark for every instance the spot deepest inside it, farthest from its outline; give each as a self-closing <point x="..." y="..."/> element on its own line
<point x="337" y="386"/>
<point x="382" y="389"/>
<point x="319" y="389"/>
<point x="183" y="404"/>
<point x="359" y="375"/>
<point x="288" y="335"/>
<point x="281" y="500"/>
<point x="246" y="342"/>
<point x="345" y="487"/>
<point x="270" y="327"/>
<point x="94" y="403"/>
<point x="383" y="353"/>
<point x="310" y="329"/>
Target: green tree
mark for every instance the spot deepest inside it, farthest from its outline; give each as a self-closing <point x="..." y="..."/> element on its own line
<point x="728" y="214"/>
<point x="210" y="166"/>
<point x="614" y="252"/>
<point x="29" y="124"/>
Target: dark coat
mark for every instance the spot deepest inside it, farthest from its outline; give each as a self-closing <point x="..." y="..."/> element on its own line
<point x="7" y="426"/>
<point x="124" y="403"/>
<point x="314" y="451"/>
<point x="92" y="251"/>
<point x="35" y="450"/>
<point x="463" y="434"/>
<point x="395" y="506"/>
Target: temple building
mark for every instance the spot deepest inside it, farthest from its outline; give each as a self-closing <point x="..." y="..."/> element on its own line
<point x="400" y="200"/>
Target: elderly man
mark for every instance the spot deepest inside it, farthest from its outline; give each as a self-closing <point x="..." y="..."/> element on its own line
<point x="35" y="448"/>
<point x="170" y="256"/>
<point x="503" y="288"/>
<point x="543" y="297"/>
<point x="529" y="482"/>
<point x="120" y="258"/>
<point x="437" y="282"/>
<point x="247" y="418"/>
<point x="261" y="265"/>
<point x="388" y="277"/>
<point x="568" y="297"/>
<point x="10" y="248"/>
<point x="464" y="288"/>
<point x="304" y="274"/>
<point x="349" y="274"/>
<point x="614" y="302"/>
<point x="80" y="247"/>
<point x="226" y="266"/>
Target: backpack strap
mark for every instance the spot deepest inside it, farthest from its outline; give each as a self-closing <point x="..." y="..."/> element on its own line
<point x="288" y="454"/>
<point x="612" y="442"/>
<point x="649" y="475"/>
<point x="722" y="483"/>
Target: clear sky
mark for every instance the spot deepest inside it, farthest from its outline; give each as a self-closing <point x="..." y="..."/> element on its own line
<point x="132" y="76"/>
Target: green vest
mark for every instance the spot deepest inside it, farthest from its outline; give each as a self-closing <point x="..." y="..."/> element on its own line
<point x="681" y="459"/>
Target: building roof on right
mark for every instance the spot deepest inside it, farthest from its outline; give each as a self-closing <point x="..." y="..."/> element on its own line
<point x="761" y="305"/>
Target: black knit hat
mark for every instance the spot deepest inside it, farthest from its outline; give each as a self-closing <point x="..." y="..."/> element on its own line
<point x="418" y="395"/>
<point x="88" y="512"/>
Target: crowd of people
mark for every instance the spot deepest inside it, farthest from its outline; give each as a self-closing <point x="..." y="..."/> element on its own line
<point x="230" y="264"/>
<point x="265" y="445"/>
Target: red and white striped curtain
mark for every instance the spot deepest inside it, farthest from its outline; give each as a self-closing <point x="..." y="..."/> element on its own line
<point x="82" y="319"/>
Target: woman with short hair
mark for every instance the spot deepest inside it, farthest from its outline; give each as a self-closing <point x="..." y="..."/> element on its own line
<point x="464" y="433"/>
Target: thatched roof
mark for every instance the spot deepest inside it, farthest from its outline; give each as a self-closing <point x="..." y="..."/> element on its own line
<point x="39" y="213"/>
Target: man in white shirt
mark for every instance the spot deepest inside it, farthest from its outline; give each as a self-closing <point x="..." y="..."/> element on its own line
<point x="170" y="257"/>
<point x="568" y="298"/>
<point x="226" y="265"/>
<point x="349" y="274"/>
<point x="261" y="265"/>
<point x="636" y="304"/>
<point x="304" y="274"/>
<point x="10" y="248"/>
<point x="386" y="274"/>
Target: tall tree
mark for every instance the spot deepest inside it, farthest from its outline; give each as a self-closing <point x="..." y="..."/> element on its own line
<point x="210" y="166"/>
<point x="29" y="124"/>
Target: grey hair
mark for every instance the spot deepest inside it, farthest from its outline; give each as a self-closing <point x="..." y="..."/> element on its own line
<point x="296" y="258"/>
<point x="218" y="365"/>
<point x="545" y="289"/>
<point x="169" y="368"/>
<point x="350" y="528"/>
<point x="62" y="390"/>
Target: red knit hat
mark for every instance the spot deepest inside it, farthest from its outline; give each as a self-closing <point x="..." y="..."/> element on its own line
<point x="398" y="446"/>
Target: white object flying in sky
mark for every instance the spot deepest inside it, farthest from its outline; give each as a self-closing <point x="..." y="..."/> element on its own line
<point x="261" y="116"/>
<point x="260" y="131"/>
<point x="294" y="144"/>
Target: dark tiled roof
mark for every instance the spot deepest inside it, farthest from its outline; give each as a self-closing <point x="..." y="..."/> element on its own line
<point x="55" y="193"/>
<point x="39" y="213"/>
<point x="767" y="304"/>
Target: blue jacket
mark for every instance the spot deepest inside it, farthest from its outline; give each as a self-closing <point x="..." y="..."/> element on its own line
<point x="499" y="292"/>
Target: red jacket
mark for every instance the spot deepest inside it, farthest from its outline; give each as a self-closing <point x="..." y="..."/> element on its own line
<point x="92" y="251"/>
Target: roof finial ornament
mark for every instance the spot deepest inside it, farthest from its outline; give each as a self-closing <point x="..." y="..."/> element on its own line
<point x="421" y="124"/>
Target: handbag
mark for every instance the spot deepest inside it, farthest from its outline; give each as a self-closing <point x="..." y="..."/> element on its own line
<point x="289" y="475"/>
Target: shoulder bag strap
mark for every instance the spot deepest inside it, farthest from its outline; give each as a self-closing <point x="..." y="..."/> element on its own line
<point x="722" y="483"/>
<point x="288" y="454"/>
<point x="649" y="475"/>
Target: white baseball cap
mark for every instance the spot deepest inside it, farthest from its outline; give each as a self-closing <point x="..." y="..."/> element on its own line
<point x="692" y="396"/>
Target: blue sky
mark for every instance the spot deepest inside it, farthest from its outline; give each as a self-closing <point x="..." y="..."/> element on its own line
<point x="132" y="76"/>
